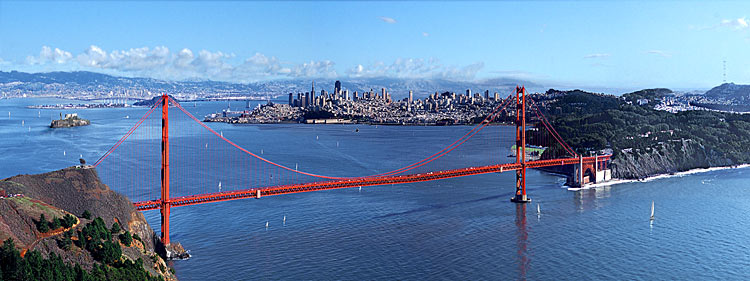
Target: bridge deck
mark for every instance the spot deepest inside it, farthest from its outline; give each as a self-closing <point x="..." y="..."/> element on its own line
<point x="356" y="182"/>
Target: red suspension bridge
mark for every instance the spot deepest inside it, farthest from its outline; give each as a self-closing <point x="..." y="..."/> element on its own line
<point x="254" y="176"/>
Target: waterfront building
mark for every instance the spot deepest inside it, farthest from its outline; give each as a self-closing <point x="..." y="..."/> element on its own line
<point x="337" y="87"/>
<point x="411" y="97"/>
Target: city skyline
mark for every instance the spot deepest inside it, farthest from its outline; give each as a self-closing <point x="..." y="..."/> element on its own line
<point x="628" y="44"/>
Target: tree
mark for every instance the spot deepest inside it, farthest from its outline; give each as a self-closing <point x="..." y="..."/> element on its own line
<point x="126" y="238"/>
<point x="86" y="214"/>
<point x="55" y="223"/>
<point x="10" y="260"/>
<point x="42" y="225"/>
<point x="115" y="228"/>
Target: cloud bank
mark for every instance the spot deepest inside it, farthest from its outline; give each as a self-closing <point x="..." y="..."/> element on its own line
<point x="162" y="63"/>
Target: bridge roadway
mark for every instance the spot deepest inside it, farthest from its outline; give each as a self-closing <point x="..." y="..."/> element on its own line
<point x="356" y="182"/>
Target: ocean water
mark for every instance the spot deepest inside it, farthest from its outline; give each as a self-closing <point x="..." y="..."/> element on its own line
<point x="461" y="228"/>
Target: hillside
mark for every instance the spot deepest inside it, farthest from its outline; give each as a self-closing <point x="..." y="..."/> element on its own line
<point x="730" y="92"/>
<point x="645" y="141"/>
<point x="74" y="192"/>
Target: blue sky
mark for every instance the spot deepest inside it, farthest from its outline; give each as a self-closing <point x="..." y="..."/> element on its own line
<point x="628" y="44"/>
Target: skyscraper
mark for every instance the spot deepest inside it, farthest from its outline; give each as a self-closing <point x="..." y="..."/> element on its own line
<point x="337" y="88"/>
<point x="291" y="100"/>
<point x="486" y="94"/>
<point x="411" y="97"/>
<point x="313" y="88"/>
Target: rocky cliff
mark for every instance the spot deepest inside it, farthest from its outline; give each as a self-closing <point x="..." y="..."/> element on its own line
<point x="670" y="158"/>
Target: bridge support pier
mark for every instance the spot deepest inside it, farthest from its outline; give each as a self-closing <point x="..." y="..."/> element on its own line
<point x="520" y="196"/>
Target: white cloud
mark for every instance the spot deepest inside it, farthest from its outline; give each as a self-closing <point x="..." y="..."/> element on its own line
<point x="659" y="53"/>
<point x="93" y="57"/>
<point x="416" y="68"/>
<point x="162" y="63"/>
<point x="316" y="69"/>
<point x="388" y="20"/>
<point x="425" y="34"/>
<point x="596" y="56"/>
<point x="48" y="55"/>
<point x="739" y="24"/>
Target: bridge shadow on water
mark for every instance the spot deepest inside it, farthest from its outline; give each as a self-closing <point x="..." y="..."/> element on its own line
<point x="442" y="206"/>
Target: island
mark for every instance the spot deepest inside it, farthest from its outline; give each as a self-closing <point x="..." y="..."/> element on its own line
<point x="70" y="120"/>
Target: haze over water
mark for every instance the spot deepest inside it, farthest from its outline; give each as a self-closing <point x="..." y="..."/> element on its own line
<point x="458" y="229"/>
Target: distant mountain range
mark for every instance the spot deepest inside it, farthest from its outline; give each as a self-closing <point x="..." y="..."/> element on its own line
<point x="84" y="81"/>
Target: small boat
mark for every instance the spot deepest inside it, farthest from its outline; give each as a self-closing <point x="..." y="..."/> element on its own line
<point x="538" y="209"/>
<point x="127" y="116"/>
<point x="652" y="210"/>
<point x="64" y="153"/>
<point x="266" y="224"/>
<point x="356" y="130"/>
<point x="284" y="220"/>
<point x="360" y="188"/>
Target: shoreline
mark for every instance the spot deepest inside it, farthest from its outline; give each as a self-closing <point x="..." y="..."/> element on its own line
<point x="659" y="176"/>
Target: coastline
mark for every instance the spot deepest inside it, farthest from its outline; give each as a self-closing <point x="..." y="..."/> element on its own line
<point x="659" y="176"/>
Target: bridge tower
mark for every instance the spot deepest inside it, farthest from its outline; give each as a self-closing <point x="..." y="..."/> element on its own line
<point x="520" y="196"/>
<point x="165" y="204"/>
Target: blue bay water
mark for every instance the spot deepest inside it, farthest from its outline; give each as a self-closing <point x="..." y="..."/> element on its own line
<point x="461" y="228"/>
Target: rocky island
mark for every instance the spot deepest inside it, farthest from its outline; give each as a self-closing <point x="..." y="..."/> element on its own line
<point x="67" y="225"/>
<point x="70" y="120"/>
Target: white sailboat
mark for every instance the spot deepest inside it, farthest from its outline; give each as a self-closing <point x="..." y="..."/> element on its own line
<point x="652" y="210"/>
<point x="284" y="220"/>
<point x="219" y="186"/>
<point x="266" y="224"/>
<point x="538" y="209"/>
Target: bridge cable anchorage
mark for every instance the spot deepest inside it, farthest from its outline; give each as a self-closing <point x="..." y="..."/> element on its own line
<point x="552" y="130"/>
<point x="439" y="154"/>
<point x="132" y="129"/>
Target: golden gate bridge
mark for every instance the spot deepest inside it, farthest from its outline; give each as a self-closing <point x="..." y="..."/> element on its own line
<point x="254" y="176"/>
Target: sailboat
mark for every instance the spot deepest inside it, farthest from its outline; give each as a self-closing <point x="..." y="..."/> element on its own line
<point x="266" y="224"/>
<point x="652" y="210"/>
<point x="284" y="219"/>
<point x="538" y="209"/>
